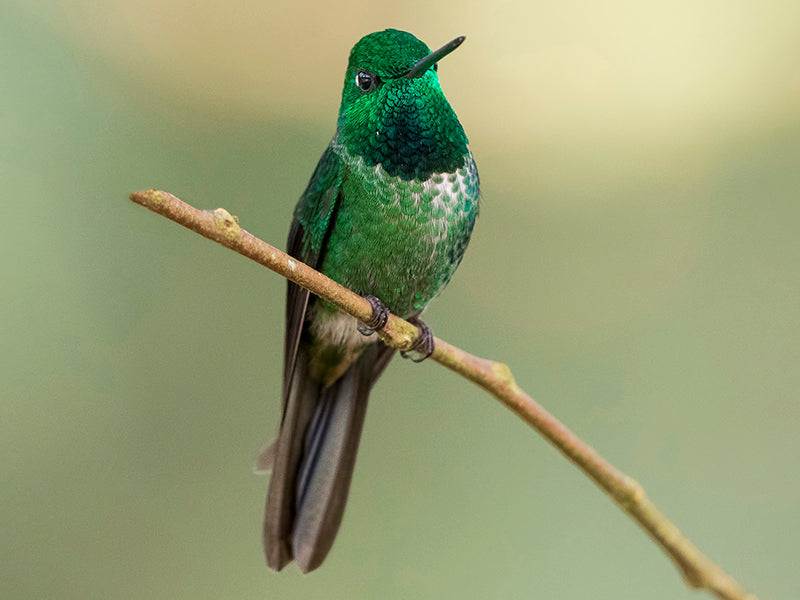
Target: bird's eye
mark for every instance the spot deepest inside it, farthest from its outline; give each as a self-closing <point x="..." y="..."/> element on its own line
<point x="366" y="81"/>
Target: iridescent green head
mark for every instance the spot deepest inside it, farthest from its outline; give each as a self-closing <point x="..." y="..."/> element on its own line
<point x="393" y="111"/>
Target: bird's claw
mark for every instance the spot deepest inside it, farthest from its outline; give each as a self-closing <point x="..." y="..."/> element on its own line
<point x="380" y="314"/>
<point x="423" y="346"/>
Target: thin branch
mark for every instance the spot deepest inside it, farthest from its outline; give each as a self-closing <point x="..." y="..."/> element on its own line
<point x="696" y="568"/>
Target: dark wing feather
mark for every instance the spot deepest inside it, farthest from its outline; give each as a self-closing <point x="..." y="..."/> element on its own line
<point x="296" y="306"/>
<point x="313" y="218"/>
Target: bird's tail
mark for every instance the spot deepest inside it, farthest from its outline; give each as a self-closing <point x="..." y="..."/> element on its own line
<point x="313" y="457"/>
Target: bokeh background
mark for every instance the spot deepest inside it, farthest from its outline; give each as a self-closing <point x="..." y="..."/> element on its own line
<point x="635" y="262"/>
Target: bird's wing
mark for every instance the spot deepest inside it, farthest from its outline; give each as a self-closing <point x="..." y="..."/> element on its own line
<point x="311" y="227"/>
<point x="313" y="220"/>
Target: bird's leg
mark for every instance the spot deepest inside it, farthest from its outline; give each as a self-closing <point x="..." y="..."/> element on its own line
<point x="422" y="347"/>
<point x="380" y="314"/>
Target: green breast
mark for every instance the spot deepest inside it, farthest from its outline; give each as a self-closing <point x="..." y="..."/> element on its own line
<point x="400" y="239"/>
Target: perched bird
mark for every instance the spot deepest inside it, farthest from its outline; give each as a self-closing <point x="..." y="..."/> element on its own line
<point x="388" y="213"/>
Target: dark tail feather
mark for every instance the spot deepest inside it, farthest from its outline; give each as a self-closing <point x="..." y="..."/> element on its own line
<point x="327" y="468"/>
<point x="288" y="451"/>
<point x="314" y="459"/>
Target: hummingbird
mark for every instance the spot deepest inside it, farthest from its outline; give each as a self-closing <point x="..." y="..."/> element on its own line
<point x="388" y="213"/>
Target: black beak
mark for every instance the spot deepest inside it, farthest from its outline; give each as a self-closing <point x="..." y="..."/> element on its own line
<point x="421" y="67"/>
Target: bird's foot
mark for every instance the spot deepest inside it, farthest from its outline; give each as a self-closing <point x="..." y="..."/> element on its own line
<point x="422" y="347"/>
<point x="380" y="314"/>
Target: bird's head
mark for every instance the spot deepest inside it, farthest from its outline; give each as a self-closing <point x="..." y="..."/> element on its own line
<point x="394" y="112"/>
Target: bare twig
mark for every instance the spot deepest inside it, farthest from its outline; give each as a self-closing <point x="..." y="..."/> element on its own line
<point x="696" y="568"/>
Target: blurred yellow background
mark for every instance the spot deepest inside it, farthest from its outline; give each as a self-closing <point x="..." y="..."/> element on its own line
<point x="635" y="262"/>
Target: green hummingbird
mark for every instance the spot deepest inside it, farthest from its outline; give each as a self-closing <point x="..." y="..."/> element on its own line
<point x="387" y="213"/>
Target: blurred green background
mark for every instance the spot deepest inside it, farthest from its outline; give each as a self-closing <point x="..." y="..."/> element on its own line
<point x="636" y="263"/>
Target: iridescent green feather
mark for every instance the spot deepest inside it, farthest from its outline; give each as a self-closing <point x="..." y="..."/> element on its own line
<point x="388" y="212"/>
